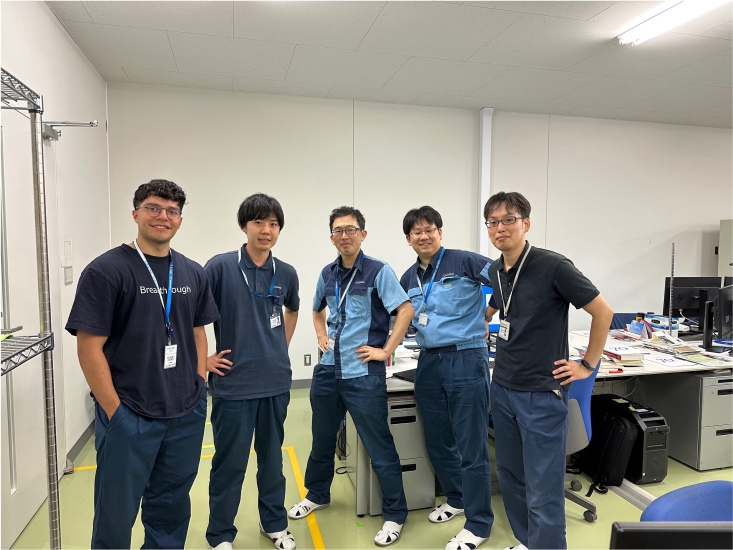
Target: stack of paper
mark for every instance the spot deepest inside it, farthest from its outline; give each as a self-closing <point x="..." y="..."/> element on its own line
<point x="625" y="355"/>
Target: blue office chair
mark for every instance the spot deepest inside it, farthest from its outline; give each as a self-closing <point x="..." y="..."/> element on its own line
<point x="708" y="501"/>
<point x="579" y="434"/>
<point x="620" y="320"/>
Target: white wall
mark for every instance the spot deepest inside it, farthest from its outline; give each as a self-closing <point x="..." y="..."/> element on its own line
<point x="311" y="154"/>
<point x="38" y="51"/>
<point x="617" y="195"/>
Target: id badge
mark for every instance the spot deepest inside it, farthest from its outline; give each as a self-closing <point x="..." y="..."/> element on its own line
<point x="275" y="320"/>
<point x="169" y="359"/>
<point x="422" y="319"/>
<point x="504" y="327"/>
<point x="331" y="343"/>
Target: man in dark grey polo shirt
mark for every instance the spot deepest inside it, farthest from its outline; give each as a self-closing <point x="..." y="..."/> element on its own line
<point x="533" y="288"/>
<point x="250" y="375"/>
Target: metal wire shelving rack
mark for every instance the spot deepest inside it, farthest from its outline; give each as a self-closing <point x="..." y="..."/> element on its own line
<point x="17" y="350"/>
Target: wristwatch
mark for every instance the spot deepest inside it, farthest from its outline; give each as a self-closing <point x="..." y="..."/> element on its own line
<point x="586" y="364"/>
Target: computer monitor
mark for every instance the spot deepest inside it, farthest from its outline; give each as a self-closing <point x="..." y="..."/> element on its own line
<point x="687" y="295"/>
<point x="672" y="534"/>
<point x="724" y="312"/>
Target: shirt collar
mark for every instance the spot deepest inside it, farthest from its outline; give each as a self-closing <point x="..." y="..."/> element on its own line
<point x="433" y="261"/>
<point x="247" y="261"/>
<point x="514" y="267"/>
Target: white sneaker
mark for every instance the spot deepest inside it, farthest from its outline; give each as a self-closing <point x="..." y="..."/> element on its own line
<point x="444" y="512"/>
<point x="305" y="507"/>
<point x="226" y="545"/>
<point x="519" y="546"/>
<point x="282" y="540"/>
<point x="389" y="534"/>
<point x="465" y="540"/>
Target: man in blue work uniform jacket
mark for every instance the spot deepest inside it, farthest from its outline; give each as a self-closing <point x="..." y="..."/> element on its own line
<point x="250" y="375"/>
<point x="452" y="380"/>
<point x="360" y="293"/>
<point x="533" y="288"/>
<point x="138" y="317"/>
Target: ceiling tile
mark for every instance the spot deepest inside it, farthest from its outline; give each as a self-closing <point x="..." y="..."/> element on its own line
<point x="722" y="110"/>
<point x="651" y="59"/>
<point x="331" y="24"/>
<point x="723" y="31"/>
<point x="169" y="78"/>
<point x="70" y="11"/>
<point x="534" y="107"/>
<point x="195" y="17"/>
<point x="718" y="122"/>
<point x="569" y="10"/>
<point x="280" y="87"/>
<point x="456" y="102"/>
<point x="688" y="99"/>
<point x="439" y="76"/>
<point x="434" y="29"/>
<point x="707" y="21"/>
<point x="343" y="67"/>
<point x="626" y="15"/>
<point x="112" y="74"/>
<point x="534" y="84"/>
<point x="616" y="92"/>
<point x="376" y="96"/>
<point x="546" y="43"/>
<point x="604" y="112"/>
<point x="198" y="53"/>
<point x="123" y="46"/>
<point x="674" y="118"/>
<point x="712" y="71"/>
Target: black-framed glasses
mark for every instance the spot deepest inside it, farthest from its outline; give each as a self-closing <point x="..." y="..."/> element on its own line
<point x="509" y="220"/>
<point x="154" y="210"/>
<point x="351" y="230"/>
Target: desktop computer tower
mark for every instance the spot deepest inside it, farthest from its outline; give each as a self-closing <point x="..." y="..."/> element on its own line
<point x="648" y="462"/>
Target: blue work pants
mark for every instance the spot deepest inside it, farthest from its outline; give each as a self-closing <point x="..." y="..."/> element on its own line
<point x="233" y="423"/>
<point x="452" y="392"/>
<point x="531" y="431"/>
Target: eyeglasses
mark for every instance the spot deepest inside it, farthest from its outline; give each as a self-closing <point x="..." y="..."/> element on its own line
<point x="509" y="220"/>
<point x="154" y="210"/>
<point x="428" y="233"/>
<point x="348" y="230"/>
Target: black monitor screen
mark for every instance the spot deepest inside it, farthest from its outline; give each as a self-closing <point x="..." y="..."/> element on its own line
<point x="686" y="295"/>
<point x="724" y="313"/>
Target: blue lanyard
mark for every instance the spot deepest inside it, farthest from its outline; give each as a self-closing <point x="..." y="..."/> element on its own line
<point x="432" y="279"/>
<point x="275" y="299"/>
<point x="169" y="295"/>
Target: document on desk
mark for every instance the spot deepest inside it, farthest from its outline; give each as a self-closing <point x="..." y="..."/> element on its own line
<point x="670" y="362"/>
<point x="708" y="361"/>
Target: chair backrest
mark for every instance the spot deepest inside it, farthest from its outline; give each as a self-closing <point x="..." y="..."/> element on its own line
<point x="620" y="320"/>
<point x="708" y="501"/>
<point x="579" y="426"/>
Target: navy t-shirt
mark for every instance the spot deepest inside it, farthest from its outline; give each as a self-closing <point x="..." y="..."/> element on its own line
<point x="116" y="297"/>
<point x="260" y="361"/>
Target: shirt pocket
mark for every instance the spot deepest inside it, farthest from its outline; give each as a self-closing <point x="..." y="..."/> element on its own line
<point x="359" y="300"/>
<point x="451" y="292"/>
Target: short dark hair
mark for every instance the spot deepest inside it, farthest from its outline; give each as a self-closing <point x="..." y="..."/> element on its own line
<point x="511" y="201"/>
<point x="260" y="207"/>
<point x="159" y="188"/>
<point x="427" y="214"/>
<point x="342" y="211"/>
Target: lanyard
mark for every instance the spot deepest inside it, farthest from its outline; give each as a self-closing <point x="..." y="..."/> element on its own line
<point x="275" y="299"/>
<point x="169" y="296"/>
<point x="430" y="284"/>
<point x="341" y="300"/>
<point x="516" y="278"/>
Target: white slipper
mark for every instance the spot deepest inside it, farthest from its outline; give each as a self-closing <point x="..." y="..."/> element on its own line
<point x="389" y="534"/>
<point x="444" y="512"/>
<point x="465" y="540"/>
<point x="226" y="545"/>
<point x="305" y="507"/>
<point x="519" y="546"/>
<point x="282" y="540"/>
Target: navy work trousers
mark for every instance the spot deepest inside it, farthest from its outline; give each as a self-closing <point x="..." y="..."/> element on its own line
<point x="365" y="398"/>
<point x="233" y="423"/>
<point x="155" y="460"/>
<point x="531" y="431"/>
<point x="452" y="391"/>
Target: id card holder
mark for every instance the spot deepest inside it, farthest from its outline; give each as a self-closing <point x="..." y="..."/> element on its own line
<point x="422" y="319"/>
<point x="169" y="359"/>
<point x="275" y="320"/>
<point x="504" y="327"/>
<point x="331" y="343"/>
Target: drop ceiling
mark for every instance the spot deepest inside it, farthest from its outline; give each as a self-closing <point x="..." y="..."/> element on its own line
<point x="559" y="58"/>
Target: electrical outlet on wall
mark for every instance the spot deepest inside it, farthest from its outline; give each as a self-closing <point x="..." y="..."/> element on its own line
<point x="307" y="360"/>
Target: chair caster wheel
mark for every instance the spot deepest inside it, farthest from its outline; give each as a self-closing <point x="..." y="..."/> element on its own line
<point x="360" y="515"/>
<point x="589" y="516"/>
<point x="576" y="485"/>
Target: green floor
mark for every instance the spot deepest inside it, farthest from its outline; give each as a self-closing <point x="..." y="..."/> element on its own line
<point x="338" y="525"/>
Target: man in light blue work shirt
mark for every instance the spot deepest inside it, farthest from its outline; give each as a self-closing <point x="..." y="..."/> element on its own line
<point x="250" y="375"/>
<point x="452" y="380"/>
<point x="360" y="293"/>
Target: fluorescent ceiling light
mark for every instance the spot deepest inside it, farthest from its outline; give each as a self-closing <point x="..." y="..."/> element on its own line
<point x="675" y="14"/>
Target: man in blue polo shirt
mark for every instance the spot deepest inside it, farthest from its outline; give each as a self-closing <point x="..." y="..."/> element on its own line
<point x="452" y="380"/>
<point x="250" y="375"/>
<point x="360" y="293"/>
<point x="138" y="317"/>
